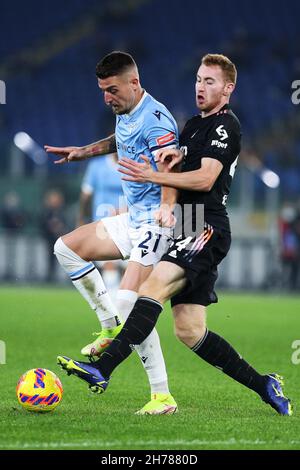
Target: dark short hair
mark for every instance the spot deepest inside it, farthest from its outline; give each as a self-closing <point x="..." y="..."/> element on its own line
<point x="113" y="64"/>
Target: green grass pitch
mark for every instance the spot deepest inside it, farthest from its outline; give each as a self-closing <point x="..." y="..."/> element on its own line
<point x="214" y="411"/>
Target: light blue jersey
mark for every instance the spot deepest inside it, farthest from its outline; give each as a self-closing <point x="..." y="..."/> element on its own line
<point x="103" y="181"/>
<point x="147" y="128"/>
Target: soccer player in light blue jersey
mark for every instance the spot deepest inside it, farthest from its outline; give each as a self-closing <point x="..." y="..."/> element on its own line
<point x="101" y="190"/>
<point x="148" y="127"/>
<point x="143" y="127"/>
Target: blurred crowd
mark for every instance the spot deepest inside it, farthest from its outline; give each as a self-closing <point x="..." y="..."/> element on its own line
<point x="289" y="230"/>
<point x="100" y="196"/>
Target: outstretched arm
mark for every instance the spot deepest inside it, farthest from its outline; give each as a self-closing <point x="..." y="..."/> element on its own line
<point x="74" y="154"/>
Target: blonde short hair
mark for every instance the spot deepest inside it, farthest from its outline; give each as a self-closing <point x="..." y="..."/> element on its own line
<point x="228" y="67"/>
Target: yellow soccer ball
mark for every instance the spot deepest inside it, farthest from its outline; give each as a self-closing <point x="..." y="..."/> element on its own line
<point x="39" y="390"/>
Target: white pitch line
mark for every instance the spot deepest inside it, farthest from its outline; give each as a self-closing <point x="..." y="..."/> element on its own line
<point x="119" y="444"/>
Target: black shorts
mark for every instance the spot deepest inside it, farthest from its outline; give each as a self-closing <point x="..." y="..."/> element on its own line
<point x="199" y="257"/>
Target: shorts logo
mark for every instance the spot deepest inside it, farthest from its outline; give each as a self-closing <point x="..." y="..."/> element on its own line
<point x="222" y="132"/>
<point x="219" y="144"/>
<point x="165" y="139"/>
<point x="144" y="253"/>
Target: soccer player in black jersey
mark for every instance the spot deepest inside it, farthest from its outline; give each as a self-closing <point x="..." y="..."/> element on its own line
<point x="186" y="274"/>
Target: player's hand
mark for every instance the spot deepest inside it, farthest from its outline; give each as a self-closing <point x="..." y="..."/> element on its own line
<point x="164" y="216"/>
<point x="135" y="171"/>
<point x="67" y="154"/>
<point x="169" y="156"/>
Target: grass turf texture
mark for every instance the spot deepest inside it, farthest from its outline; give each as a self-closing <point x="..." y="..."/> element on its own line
<point x="214" y="411"/>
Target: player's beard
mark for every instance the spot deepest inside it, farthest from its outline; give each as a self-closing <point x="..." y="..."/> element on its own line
<point x="207" y="107"/>
<point x="117" y="111"/>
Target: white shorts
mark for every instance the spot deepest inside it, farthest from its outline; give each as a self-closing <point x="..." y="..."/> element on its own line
<point x="145" y="245"/>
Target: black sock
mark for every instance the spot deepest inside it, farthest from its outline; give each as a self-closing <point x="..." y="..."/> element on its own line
<point x="136" y="329"/>
<point x="217" y="352"/>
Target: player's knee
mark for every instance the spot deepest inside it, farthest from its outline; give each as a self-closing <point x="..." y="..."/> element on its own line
<point x="61" y="250"/>
<point x="70" y="241"/>
<point x="189" y="334"/>
<point x="184" y="334"/>
<point x="146" y="288"/>
<point x="155" y="288"/>
<point x="75" y="242"/>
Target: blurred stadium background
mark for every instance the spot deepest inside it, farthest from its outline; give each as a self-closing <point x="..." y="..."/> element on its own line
<point x="48" y="53"/>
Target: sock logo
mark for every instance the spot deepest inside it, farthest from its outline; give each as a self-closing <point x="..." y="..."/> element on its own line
<point x="102" y="292"/>
<point x="144" y="359"/>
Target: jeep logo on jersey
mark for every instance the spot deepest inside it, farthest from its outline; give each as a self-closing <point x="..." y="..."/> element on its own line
<point x="221" y="132"/>
<point x="219" y="144"/>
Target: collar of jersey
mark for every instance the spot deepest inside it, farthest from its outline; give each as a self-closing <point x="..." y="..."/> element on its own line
<point x="145" y="94"/>
<point x="225" y="107"/>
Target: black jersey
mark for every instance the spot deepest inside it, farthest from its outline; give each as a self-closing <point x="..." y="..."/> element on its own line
<point x="216" y="136"/>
